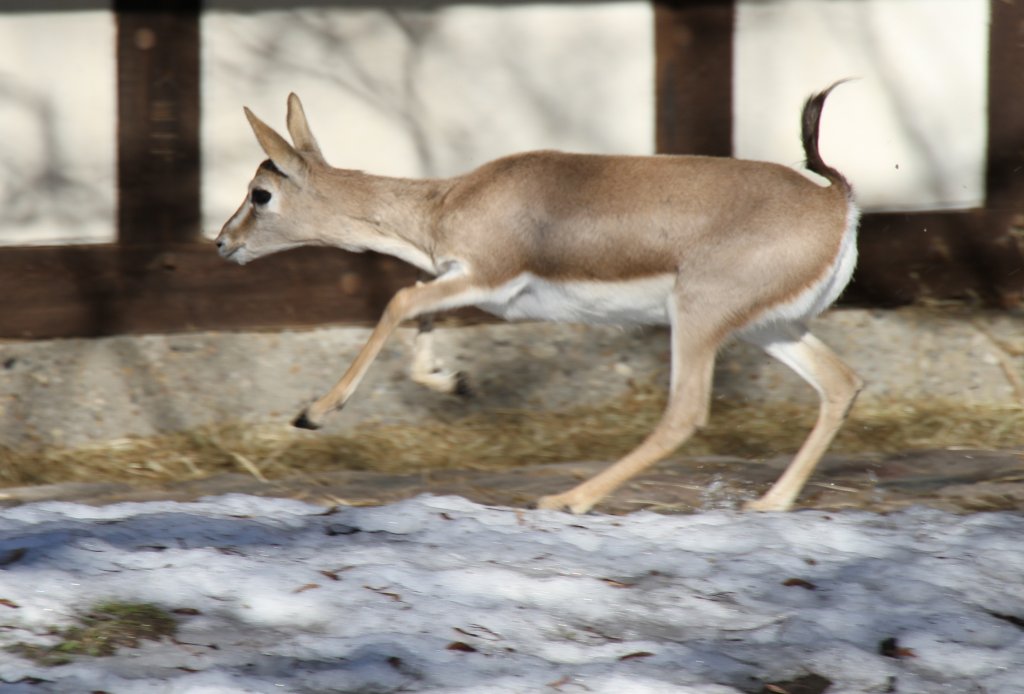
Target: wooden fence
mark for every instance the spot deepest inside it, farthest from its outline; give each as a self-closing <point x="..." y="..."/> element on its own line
<point x="161" y="276"/>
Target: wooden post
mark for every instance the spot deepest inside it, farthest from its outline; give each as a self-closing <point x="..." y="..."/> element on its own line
<point x="158" y="121"/>
<point x="693" y="73"/>
<point x="1004" y="171"/>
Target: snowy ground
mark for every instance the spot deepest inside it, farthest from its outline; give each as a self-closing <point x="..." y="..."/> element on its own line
<point x="440" y="594"/>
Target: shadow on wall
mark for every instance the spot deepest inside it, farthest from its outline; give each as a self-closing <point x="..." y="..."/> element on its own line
<point x="42" y="199"/>
<point x="69" y="392"/>
<point x="430" y="90"/>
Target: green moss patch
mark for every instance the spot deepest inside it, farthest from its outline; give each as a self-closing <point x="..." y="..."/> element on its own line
<point x="101" y="631"/>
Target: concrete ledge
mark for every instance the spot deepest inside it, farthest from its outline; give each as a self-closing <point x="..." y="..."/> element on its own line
<point x="69" y="392"/>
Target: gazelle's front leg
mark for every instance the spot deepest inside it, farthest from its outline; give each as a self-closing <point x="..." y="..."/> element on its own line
<point x="427" y="370"/>
<point x="442" y="293"/>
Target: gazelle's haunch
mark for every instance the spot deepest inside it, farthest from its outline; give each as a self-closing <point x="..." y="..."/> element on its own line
<point x="710" y="246"/>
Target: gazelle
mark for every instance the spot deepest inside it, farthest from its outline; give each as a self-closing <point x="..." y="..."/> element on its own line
<point x="711" y="246"/>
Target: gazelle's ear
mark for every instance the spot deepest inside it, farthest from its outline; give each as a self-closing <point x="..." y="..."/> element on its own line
<point x="298" y="127"/>
<point x="285" y="157"/>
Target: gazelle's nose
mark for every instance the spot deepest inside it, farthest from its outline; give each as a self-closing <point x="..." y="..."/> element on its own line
<point x="224" y="248"/>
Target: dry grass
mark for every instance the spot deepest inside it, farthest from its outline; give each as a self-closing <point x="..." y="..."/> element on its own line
<point x="501" y="439"/>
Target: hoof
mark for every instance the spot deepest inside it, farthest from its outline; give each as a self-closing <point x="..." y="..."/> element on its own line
<point x="441" y="381"/>
<point x="462" y="388"/>
<point x="762" y="506"/>
<point x="303" y="422"/>
<point x="559" y="502"/>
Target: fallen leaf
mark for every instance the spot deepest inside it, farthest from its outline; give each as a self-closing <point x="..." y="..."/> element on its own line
<point x="638" y="654"/>
<point x="394" y="596"/>
<point x="807" y="684"/>
<point x="187" y="611"/>
<point x="891" y="648"/>
<point x="479" y="632"/>
<point x="12" y="555"/>
<point x="231" y="551"/>
<point x="460" y="646"/>
<point x="799" y="583"/>
<point x="617" y="584"/>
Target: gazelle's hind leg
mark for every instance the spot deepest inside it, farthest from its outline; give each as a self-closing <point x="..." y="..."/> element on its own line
<point x="693" y="360"/>
<point x="428" y="370"/>
<point x="837" y="386"/>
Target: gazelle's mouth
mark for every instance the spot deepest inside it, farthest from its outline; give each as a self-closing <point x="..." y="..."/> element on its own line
<point x="235" y="254"/>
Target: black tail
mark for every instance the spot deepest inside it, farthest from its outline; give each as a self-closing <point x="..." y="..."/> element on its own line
<point x="809" y="136"/>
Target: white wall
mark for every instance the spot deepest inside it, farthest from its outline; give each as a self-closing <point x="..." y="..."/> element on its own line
<point x="910" y="132"/>
<point x="58" y="111"/>
<point x="400" y="90"/>
<point x="411" y="92"/>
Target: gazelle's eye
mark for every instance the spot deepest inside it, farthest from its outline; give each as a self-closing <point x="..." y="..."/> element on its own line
<point x="260" y="196"/>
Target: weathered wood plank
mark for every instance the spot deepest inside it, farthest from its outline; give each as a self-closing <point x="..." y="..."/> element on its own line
<point x="110" y="289"/>
<point x="915" y="257"/>
<point x="1002" y="242"/>
<point x="158" y="121"/>
<point x="693" y="76"/>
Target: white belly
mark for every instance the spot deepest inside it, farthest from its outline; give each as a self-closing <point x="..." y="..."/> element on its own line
<point x="628" y="302"/>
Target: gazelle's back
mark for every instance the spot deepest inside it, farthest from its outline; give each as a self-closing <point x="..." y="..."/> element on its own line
<point x="612" y="218"/>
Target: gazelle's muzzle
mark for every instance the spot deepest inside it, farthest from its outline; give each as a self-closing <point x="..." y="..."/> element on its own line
<point x="235" y="252"/>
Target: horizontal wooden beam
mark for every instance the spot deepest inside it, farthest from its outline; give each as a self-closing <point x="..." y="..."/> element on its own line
<point x="85" y="291"/>
<point x="920" y="256"/>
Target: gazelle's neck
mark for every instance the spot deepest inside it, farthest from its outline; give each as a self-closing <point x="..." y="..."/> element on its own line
<point x="395" y="215"/>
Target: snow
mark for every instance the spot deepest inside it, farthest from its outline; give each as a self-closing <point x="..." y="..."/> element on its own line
<point x="443" y="595"/>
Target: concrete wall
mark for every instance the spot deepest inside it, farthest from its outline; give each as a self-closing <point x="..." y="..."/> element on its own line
<point x="68" y="392"/>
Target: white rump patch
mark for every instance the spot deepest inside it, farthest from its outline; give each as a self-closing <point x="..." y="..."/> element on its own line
<point x="820" y="295"/>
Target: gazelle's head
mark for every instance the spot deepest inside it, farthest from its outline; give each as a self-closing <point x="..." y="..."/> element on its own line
<point x="283" y="208"/>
